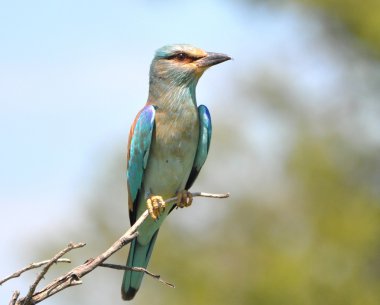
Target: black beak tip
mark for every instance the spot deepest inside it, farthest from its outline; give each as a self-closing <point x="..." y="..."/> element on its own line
<point x="226" y="58"/>
<point x="213" y="59"/>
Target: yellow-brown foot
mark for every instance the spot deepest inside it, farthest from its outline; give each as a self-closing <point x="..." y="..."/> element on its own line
<point x="156" y="205"/>
<point x="184" y="199"/>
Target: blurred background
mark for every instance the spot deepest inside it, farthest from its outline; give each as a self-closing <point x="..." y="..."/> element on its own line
<point x="296" y="141"/>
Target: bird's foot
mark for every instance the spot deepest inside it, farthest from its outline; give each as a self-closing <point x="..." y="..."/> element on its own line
<point x="156" y="205"/>
<point x="184" y="199"/>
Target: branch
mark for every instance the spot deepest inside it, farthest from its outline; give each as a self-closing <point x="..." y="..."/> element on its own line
<point x="73" y="277"/>
<point x="14" y="297"/>
<point x="138" y="269"/>
<point x="32" y="289"/>
<point x="30" y="267"/>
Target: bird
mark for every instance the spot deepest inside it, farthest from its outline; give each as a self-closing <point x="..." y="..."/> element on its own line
<point x="168" y="144"/>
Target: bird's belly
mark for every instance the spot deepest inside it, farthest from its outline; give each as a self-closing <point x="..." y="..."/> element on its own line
<point x="170" y="165"/>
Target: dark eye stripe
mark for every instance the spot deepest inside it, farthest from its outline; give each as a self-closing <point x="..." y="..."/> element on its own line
<point x="181" y="56"/>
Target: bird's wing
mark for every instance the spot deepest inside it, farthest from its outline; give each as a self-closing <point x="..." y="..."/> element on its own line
<point x="203" y="144"/>
<point x="140" y="138"/>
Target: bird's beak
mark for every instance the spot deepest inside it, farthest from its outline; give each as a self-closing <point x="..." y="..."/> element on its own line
<point x="211" y="59"/>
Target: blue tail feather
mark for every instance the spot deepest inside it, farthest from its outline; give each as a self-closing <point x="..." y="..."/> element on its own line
<point x="139" y="256"/>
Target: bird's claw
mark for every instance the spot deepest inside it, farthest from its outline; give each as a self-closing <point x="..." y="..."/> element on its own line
<point x="156" y="206"/>
<point x="184" y="199"/>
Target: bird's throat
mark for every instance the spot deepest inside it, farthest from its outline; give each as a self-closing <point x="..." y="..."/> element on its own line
<point x="172" y="97"/>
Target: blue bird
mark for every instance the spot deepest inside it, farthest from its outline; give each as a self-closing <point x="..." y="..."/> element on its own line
<point x="168" y="145"/>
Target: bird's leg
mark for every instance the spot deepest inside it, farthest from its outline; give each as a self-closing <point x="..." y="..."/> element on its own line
<point x="184" y="199"/>
<point x="156" y="205"/>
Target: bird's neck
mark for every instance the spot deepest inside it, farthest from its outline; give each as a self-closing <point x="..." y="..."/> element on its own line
<point x="172" y="97"/>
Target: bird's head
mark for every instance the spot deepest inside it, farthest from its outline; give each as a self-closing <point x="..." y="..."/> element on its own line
<point x="183" y="64"/>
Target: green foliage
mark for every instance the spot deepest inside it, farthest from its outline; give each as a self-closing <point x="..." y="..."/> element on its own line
<point x="361" y="19"/>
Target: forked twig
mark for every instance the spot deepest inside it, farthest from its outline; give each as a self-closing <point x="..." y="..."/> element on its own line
<point x="41" y="275"/>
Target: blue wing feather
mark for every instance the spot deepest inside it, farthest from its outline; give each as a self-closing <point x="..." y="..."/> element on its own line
<point x="138" y="153"/>
<point x="205" y="130"/>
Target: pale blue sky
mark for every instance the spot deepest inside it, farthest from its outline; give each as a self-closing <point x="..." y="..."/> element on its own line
<point x="73" y="74"/>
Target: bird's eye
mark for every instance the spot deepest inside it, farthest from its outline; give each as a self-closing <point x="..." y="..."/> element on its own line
<point x="181" y="56"/>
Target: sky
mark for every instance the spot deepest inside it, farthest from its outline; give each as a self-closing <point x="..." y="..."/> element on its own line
<point x="73" y="74"/>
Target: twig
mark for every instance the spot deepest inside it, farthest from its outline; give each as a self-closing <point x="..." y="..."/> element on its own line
<point x="73" y="277"/>
<point x="30" y="267"/>
<point x="14" y="297"/>
<point x="201" y="194"/>
<point x="138" y="269"/>
<point x="32" y="288"/>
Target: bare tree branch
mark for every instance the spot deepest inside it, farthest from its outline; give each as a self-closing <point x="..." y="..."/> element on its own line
<point x="30" y="267"/>
<point x="14" y="298"/>
<point x="139" y="269"/>
<point x="73" y="277"/>
<point x="32" y="288"/>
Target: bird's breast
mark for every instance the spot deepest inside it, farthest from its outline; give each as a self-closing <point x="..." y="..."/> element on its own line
<point x="173" y="150"/>
<point x="177" y="134"/>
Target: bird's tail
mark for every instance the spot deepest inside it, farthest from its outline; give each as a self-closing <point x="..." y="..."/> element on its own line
<point x="138" y="257"/>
